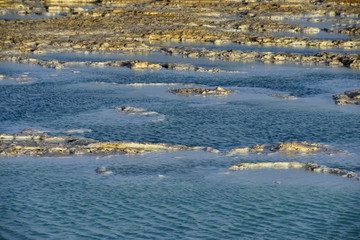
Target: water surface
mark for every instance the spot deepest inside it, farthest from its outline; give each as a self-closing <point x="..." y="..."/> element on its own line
<point x="179" y="195"/>
<point x="195" y="199"/>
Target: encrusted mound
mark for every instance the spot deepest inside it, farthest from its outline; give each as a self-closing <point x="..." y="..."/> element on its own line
<point x="312" y="167"/>
<point x="135" y="111"/>
<point x="201" y="91"/>
<point x="349" y="97"/>
<point x="45" y="145"/>
<point x="295" y="146"/>
<point x="132" y="64"/>
<point x="103" y="171"/>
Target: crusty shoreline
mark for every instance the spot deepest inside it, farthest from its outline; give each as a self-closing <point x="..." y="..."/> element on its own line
<point x="132" y="27"/>
<point x="43" y="145"/>
<point x="36" y="142"/>
<point x="311" y="167"/>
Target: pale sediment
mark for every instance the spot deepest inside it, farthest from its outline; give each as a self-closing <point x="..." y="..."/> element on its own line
<point x="349" y="97"/>
<point x="286" y="147"/>
<point x="312" y="167"/>
<point x="283" y="96"/>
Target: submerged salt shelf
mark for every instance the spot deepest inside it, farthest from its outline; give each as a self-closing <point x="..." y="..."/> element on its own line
<point x="69" y="100"/>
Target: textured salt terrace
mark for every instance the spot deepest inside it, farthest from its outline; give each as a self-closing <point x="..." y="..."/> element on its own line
<point x="230" y="46"/>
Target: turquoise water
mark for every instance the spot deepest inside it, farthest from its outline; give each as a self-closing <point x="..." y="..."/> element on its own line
<point x="195" y="197"/>
<point x="64" y="198"/>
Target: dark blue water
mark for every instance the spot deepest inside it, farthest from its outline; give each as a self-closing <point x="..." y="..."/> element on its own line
<point x="195" y="196"/>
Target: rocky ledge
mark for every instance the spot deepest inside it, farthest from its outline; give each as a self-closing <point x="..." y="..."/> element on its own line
<point x="349" y="97"/>
<point x="38" y="143"/>
<point x="312" y="167"/>
<point x="45" y="145"/>
<point x="286" y="147"/>
<point x="200" y="91"/>
<point x="322" y="58"/>
<point x="132" y="64"/>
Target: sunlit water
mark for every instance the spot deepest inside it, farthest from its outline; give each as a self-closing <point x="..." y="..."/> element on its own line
<point x="179" y="195"/>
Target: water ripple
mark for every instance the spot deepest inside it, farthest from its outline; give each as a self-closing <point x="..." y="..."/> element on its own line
<point x="68" y="200"/>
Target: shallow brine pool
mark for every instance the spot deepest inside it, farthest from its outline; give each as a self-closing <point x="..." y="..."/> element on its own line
<point x="180" y="195"/>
